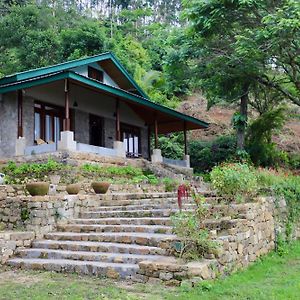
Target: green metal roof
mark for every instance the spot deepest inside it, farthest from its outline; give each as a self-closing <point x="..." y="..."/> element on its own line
<point x="44" y="79"/>
<point x="70" y="65"/>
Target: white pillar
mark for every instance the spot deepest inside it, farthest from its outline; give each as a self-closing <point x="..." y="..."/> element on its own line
<point x="20" y="146"/>
<point x="156" y="156"/>
<point x="66" y="141"/>
<point x="186" y="158"/>
<point x="120" y="149"/>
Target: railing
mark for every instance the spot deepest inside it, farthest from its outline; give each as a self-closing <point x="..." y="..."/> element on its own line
<point x="38" y="149"/>
<point x="96" y="150"/>
<point x="175" y="162"/>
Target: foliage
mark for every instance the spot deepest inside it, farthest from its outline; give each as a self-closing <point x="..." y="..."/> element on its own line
<point x="194" y="240"/>
<point x="235" y="181"/>
<point x="259" y="143"/>
<point x="112" y="170"/>
<point x="17" y="174"/>
<point x="172" y="145"/>
<point x="206" y="155"/>
<point x="170" y="184"/>
<point x="286" y="186"/>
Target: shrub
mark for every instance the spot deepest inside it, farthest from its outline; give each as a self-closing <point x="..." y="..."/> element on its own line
<point x="22" y="173"/>
<point x="262" y="150"/>
<point x="206" y="155"/>
<point x="172" y="146"/>
<point x="170" y="184"/>
<point x="234" y="181"/>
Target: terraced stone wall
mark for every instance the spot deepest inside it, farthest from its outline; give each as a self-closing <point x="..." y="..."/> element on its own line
<point x="11" y="241"/>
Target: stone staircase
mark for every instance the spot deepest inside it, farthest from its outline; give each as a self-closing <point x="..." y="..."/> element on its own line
<point x="110" y="240"/>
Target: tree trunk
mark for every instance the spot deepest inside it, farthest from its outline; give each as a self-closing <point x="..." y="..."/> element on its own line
<point x="244" y="113"/>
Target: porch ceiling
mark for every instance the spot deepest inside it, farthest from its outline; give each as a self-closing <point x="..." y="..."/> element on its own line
<point x="168" y="120"/>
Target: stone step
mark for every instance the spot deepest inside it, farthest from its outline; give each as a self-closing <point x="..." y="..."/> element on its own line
<point x="131" y="213"/>
<point x="111" y="270"/>
<point x="99" y="247"/>
<point x="115" y="228"/>
<point x="137" y="196"/>
<point x="159" y="202"/>
<point x="120" y="221"/>
<point x="149" y="206"/>
<point x="145" y="239"/>
<point x="88" y="256"/>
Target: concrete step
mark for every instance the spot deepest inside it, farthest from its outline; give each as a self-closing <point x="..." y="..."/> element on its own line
<point x="115" y="228"/>
<point x="131" y="213"/>
<point x="111" y="270"/>
<point x="137" y="196"/>
<point x="99" y="247"/>
<point x="88" y="256"/>
<point x="164" y="221"/>
<point x="146" y="239"/>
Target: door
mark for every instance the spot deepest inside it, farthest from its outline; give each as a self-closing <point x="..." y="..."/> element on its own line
<point x="96" y="131"/>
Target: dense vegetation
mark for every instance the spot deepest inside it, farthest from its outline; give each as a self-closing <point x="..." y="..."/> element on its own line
<point x="239" y="51"/>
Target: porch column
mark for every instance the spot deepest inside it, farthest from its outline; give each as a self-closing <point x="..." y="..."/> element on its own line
<point x="67" y="142"/>
<point x="66" y="125"/>
<point x="118" y="131"/>
<point x="156" y="156"/>
<point x="155" y="134"/>
<point x="186" y="157"/>
<point x="118" y="144"/>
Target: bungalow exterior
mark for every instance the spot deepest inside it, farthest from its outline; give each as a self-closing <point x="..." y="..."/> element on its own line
<point x="90" y="105"/>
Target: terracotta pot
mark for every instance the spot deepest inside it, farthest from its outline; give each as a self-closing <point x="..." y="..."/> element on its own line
<point x="100" y="187"/>
<point x="73" y="189"/>
<point x="38" y="188"/>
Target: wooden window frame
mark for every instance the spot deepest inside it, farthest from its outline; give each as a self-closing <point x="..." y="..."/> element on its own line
<point x="58" y="112"/>
<point x="95" y="74"/>
<point x="134" y="130"/>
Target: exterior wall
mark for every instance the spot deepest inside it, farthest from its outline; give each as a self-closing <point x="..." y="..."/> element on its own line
<point x="83" y="70"/>
<point x="109" y="132"/>
<point x="8" y="124"/>
<point x="144" y="143"/>
<point x="28" y="120"/>
<point x="81" y="127"/>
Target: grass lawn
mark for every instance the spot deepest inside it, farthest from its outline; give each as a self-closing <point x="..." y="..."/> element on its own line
<point x="273" y="277"/>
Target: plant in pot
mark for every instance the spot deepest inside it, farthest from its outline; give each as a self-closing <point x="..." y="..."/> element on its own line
<point x="100" y="187"/>
<point x="73" y="188"/>
<point x="38" y="188"/>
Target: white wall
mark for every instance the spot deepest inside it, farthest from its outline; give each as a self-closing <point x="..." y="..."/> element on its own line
<point x="83" y="70"/>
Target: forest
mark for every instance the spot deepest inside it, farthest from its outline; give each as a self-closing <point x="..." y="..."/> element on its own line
<point x="241" y="53"/>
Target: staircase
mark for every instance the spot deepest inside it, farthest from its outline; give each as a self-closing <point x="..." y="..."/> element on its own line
<point x="109" y="240"/>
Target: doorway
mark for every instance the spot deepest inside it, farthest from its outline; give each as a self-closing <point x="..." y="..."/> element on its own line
<point x="96" y="130"/>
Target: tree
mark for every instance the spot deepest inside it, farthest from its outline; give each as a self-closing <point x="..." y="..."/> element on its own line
<point x="241" y="51"/>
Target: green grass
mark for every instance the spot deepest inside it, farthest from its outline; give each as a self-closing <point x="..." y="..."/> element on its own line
<point x="273" y="277"/>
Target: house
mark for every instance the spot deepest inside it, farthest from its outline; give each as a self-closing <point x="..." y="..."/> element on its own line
<point x="90" y="105"/>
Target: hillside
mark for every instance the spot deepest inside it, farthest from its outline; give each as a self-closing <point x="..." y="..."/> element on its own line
<point x="220" y="116"/>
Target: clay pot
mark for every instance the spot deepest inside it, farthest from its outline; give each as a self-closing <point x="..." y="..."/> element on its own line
<point x="73" y="189"/>
<point x="38" y="188"/>
<point x="100" y="187"/>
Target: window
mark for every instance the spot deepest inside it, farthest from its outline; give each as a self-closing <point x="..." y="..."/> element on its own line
<point x="132" y="140"/>
<point x="48" y="122"/>
<point x="95" y="74"/>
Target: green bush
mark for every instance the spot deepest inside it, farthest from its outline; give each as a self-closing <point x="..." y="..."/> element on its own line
<point x="235" y="181"/>
<point x="17" y="174"/>
<point x="170" y="184"/>
<point x="206" y="155"/>
<point x="262" y="150"/>
<point x="172" y="146"/>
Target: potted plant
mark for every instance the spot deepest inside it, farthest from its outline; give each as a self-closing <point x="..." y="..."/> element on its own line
<point x="100" y="187"/>
<point x="73" y="188"/>
<point x="38" y="188"/>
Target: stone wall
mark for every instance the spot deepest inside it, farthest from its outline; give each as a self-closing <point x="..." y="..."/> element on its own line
<point x="82" y="130"/>
<point x="10" y="242"/>
<point x="244" y="232"/>
<point x="8" y="125"/>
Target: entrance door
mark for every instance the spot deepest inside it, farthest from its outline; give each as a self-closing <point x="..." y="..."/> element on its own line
<point x="96" y="131"/>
